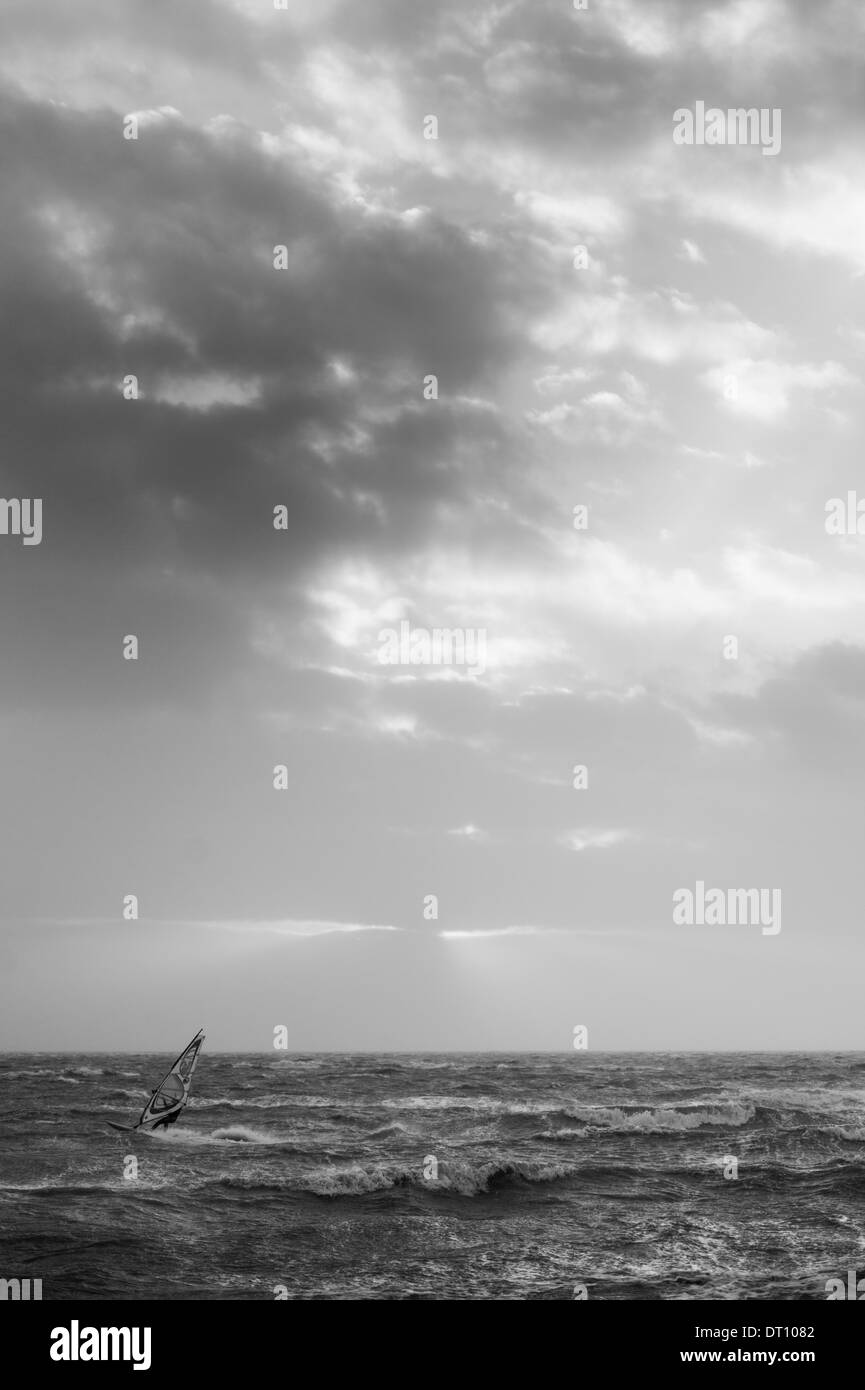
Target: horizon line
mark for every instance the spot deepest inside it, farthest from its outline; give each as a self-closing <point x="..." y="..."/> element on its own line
<point x="452" y="1052"/>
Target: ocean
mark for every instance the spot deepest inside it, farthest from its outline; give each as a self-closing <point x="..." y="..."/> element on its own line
<point x="470" y="1176"/>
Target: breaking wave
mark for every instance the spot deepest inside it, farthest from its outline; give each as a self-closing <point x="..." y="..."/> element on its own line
<point x="658" y="1120"/>
<point x="228" y="1134"/>
<point x="663" y="1119"/>
<point x="244" y="1134"/>
<point x="462" y="1179"/>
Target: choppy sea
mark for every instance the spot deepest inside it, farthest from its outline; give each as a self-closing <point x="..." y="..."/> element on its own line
<point x="637" y="1176"/>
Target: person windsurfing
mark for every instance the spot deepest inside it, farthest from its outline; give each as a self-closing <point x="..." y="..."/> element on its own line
<point x="168" y="1119"/>
<point x="168" y="1101"/>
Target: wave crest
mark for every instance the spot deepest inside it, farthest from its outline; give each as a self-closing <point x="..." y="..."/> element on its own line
<point x="664" y="1118"/>
<point x="460" y="1179"/>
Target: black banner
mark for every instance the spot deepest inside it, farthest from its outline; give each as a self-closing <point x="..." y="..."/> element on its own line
<point x="160" y="1338"/>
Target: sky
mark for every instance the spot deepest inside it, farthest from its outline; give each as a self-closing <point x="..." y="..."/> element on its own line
<point x="670" y="336"/>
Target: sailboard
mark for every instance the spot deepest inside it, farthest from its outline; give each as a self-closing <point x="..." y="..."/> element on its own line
<point x="171" y="1095"/>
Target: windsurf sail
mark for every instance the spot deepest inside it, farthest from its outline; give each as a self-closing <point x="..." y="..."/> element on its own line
<point x="172" y="1093"/>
